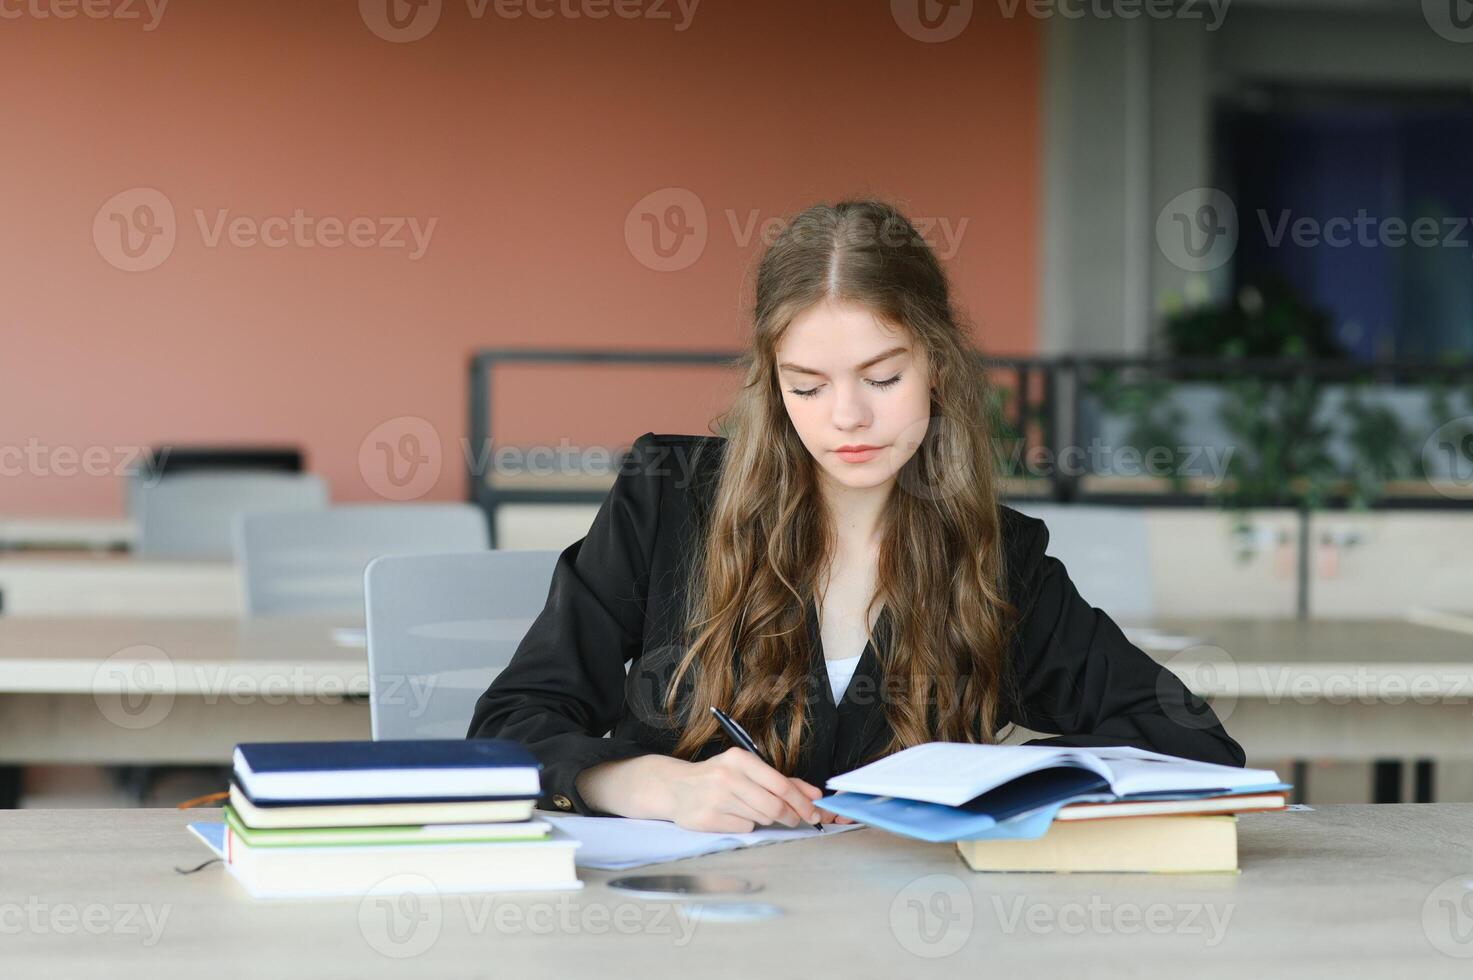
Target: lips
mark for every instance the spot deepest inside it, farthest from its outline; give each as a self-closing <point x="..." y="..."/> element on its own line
<point x="857" y="454"/>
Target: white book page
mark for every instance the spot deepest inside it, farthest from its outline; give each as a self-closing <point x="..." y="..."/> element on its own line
<point x="1167" y="773"/>
<point x="951" y="773"/>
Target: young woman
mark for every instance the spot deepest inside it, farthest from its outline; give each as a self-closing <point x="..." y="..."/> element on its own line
<point x="836" y="573"/>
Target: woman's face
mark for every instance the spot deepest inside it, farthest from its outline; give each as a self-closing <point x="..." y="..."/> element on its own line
<point x="849" y="381"/>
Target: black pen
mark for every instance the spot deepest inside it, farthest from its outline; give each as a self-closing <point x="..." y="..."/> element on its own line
<point x="739" y="735"/>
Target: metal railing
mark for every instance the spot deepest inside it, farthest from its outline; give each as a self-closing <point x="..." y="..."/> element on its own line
<point x="1049" y="407"/>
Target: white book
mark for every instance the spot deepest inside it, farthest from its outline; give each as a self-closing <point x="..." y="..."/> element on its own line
<point x="951" y="773"/>
<point x="377" y="814"/>
<point x="355" y="871"/>
<point x="1151" y="808"/>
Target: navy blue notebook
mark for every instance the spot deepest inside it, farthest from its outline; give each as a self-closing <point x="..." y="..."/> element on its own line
<point x="410" y="770"/>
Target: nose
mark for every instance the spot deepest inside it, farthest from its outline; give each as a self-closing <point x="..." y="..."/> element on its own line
<point x="850" y="407"/>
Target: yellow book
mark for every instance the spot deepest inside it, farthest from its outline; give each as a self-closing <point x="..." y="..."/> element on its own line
<point x="1193" y="843"/>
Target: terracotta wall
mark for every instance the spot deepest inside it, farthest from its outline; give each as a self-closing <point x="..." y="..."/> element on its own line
<point x="269" y="162"/>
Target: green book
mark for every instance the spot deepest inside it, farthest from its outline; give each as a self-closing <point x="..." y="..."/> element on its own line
<point x="447" y="833"/>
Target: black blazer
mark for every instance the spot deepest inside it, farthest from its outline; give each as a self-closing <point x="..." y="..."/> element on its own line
<point x="617" y="596"/>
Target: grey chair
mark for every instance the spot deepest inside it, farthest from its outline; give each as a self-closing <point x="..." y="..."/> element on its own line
<point x="312" y="561"/>
<point x="170" y="460"/>
<point x="1106" y="553"/>
<point x="192" y="515"/>
<point x="440" y="627"/>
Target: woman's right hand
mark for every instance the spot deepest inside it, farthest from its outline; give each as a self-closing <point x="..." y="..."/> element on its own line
<point x="732" y="792"/>
<point x="736" y="792"/>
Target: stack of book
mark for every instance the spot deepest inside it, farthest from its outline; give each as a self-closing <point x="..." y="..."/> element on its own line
<point x="1035" y="808"/>
<point x="338" y="818"/>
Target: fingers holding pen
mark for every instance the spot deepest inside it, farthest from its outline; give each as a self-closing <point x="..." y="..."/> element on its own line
<point x="814" y="793"/>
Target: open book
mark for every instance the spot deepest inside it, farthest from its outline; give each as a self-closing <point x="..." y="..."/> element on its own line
<point x="952" y="773"/>
<point x="952" y="791"/>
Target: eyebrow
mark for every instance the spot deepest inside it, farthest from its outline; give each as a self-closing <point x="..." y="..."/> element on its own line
<point x="869" y="363"/>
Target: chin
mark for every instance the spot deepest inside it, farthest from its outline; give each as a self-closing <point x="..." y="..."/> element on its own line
<point x="856" y="479"/>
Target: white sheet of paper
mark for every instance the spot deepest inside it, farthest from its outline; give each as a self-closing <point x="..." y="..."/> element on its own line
<point x="618" y="843"/>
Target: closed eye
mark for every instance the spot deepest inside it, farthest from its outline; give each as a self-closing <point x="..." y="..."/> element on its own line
<point x="811" y="392"/>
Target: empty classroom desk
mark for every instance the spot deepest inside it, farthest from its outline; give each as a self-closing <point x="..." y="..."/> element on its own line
<point x="66" y="584"/>
<point x="152" y="691"/>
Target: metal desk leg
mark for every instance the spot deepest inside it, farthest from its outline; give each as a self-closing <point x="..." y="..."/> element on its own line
<point x="1425" y="780"/>
<point x="12" y="780"/>
<point x="1386" y="781"/>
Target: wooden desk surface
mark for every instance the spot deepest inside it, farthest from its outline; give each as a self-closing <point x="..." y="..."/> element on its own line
<point x="1342" y="890"/>
<point x="137" y="690"/>
<point x="105" y="584"/>
<point x="1322" y="689"/>
<point x="187" y="656"/>
<point x="77" y="533"/>
<point x="1390" y="641"/>
<point x="61" y="654"/>
<point x="1368" y="659"/>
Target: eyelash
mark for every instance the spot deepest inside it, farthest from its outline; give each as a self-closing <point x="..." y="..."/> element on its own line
<point x="811" y="392"/>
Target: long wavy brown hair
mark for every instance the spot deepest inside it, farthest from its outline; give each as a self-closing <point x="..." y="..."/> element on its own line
<point x="768" y="536"/>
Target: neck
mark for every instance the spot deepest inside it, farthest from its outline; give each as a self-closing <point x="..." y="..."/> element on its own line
<point x="856" y="512"/>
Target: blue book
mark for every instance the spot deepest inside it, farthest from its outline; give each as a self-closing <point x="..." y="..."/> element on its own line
<point x="1011" y="812"/>
<point x="940" y="822"/>
<point x="402" y="771"/>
